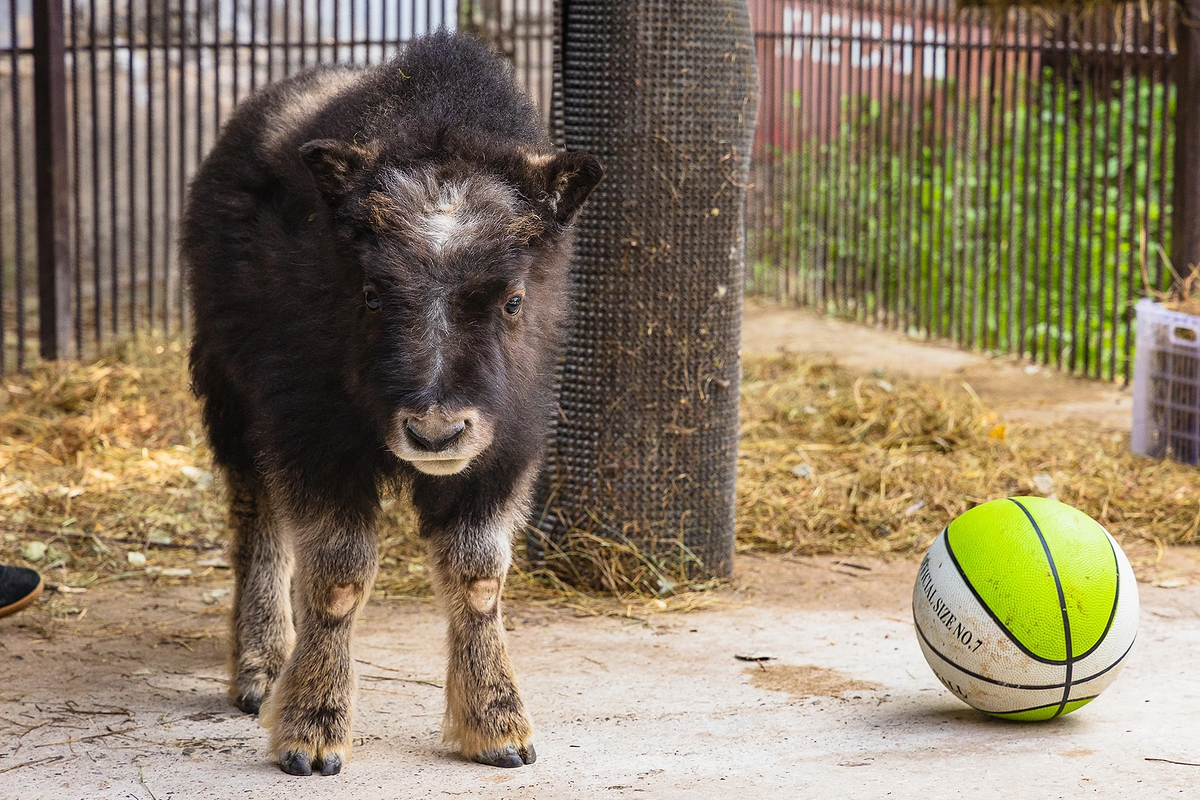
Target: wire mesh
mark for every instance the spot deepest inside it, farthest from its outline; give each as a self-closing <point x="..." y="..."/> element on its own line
<point x="644" y="447"/>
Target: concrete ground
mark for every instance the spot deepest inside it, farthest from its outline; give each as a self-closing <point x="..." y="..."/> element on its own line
<point x="127" y="700"/>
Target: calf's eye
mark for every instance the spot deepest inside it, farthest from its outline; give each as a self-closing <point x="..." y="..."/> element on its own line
<point x="513" y="306"/>
<point x="371" y="298"/>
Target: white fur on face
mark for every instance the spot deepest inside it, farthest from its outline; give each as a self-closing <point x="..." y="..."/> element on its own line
<point x="448" y="218"/>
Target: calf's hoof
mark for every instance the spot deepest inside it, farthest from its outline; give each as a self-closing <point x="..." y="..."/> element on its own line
<point x="250" y="702"/>
<point x="508" y="757"/>
<point x="298" y="762"/>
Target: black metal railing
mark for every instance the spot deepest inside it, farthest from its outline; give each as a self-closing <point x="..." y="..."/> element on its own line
<point x="1000" y="179"/>
<point x="140" y="90"/>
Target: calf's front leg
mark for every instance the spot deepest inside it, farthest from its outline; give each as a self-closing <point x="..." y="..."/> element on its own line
<point x="485" y="715"/>
<point x="261" y="624"/>
<point x="310" y="711"/>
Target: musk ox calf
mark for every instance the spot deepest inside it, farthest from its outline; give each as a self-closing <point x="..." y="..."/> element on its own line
<point x="378" y="269"/>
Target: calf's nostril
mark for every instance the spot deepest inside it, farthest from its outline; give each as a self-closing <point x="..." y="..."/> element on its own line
<point x="434" y="439"/>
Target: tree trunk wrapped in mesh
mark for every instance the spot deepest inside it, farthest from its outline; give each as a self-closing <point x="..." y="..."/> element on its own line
<point x="638" y="488"/>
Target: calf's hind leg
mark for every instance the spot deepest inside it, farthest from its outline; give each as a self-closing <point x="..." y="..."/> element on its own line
<point x="485" y="715"/>
<point x="261" y="625"/>
<point x="311" y="709"/>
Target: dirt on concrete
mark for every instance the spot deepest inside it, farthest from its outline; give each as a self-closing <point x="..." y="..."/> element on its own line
<point x="128" y="701"/>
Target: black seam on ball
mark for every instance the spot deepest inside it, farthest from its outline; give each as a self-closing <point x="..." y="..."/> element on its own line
<point x="976" y="675"/>
<point x="1112" y="614"/>
<point x="1113" y="665"/>
<point x="1039" y="708"/>
<point x="1011" y="636"/>
<point x="1062" y="603"/>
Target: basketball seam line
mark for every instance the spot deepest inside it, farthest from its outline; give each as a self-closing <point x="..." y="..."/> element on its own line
<point x="1039" y="708"/>
<point x="1062" y="602"/>
<point x="1112" y="614"/>
<point x="976" y="675"/>
<point x="983" y="604"/>
<point x="964" y="670"/>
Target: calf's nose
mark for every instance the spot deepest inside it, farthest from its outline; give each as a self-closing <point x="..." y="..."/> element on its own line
<point x="434" y="434"/>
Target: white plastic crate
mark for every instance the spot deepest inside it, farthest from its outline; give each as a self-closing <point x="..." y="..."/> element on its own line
<point x="1166" y="384"/>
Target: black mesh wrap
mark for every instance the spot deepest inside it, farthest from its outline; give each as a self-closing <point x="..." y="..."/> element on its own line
<point x="644" y="450"/>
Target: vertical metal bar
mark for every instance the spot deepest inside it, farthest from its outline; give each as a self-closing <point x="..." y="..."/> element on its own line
<point x="793" y="52"/>
<point x="1000" y="230"/>
<point x="917" y="172"/>
<point x="1029" y="204"/>
<point x="53" y="188"/>
<point x="1150" y="250"/>
<point x="850" y="157"/>
<point x="1060" y="262"/>
<point x="1009" y="215"/>
<point x="199" y="94"/>
<point x="181" y="123"/>
<point x="1044" y="233"/>
<point x="303" y="27"/>
<point x="150" y="136"/>
<point x="961" y="186"/>
<point x="1166" y="129"/>
<point x="76" y="187"/>
<point x="113" y="139"/>
<point x="287" y="36"/>
<point x="1105" y="86"/>
<point x="18" y="180"/>
<point x="216" y="68"/>
<point x="235" y="50"/>
<point x="168" y="217"/>
<point x="784" y="213"/>
<point x="1067" y="337"/>
<point x="888" y="154"/>
<point x="949" y="157"/>
<point x="254" y="43"/>
<point x="1134" y="239"/>
<point x="1084" y="203"/>
<point x="336" y="22"/>
<point x="979" y="195"/>
<point x="94" y="89"/>
<point x="131" y="167"/>
<point x="770" y="191"/>
<point x="1185" y="216"/>
<point x="830" y="110"/>
<point x="996" y="89"/>
<point x="1119" y="266"/>
<point x="270" y="45"/>
<point x="873" y="145"/>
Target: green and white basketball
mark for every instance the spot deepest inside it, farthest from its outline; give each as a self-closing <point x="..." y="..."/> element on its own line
<point x="1025" y="608"/>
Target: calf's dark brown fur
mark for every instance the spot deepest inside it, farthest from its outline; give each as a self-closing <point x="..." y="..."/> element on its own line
<point x="377" y="261"/>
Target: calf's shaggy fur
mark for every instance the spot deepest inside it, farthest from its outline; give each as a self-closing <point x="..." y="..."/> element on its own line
<point x="377" y="261"/>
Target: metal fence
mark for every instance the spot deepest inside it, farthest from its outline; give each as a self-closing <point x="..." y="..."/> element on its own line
<point x="1001" y="179"/>
<point x="136" y="93"/>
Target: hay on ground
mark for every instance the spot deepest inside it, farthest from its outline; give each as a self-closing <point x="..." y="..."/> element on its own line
<point x="105" y="459"/>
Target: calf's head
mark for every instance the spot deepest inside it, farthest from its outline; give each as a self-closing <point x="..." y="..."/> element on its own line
<point x="453" y="276"/>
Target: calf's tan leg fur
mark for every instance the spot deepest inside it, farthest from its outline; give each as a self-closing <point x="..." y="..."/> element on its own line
<point x="311" y="710"/>
<point x="485" y="716"/>
<point x="261" y="634"/>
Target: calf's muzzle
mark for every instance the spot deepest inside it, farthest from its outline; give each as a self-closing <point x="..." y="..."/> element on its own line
<point x="440" y="441"/>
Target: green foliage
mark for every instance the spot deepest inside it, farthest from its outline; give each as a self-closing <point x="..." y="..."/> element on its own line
<point x="1026" y="220"/>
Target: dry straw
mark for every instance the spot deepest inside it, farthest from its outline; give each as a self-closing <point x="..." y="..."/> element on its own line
<point x="105" y="459"/>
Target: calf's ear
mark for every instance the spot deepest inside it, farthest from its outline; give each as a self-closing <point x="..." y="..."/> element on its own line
<point x="332" y="163"/>
<point x="570" y="178"/>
